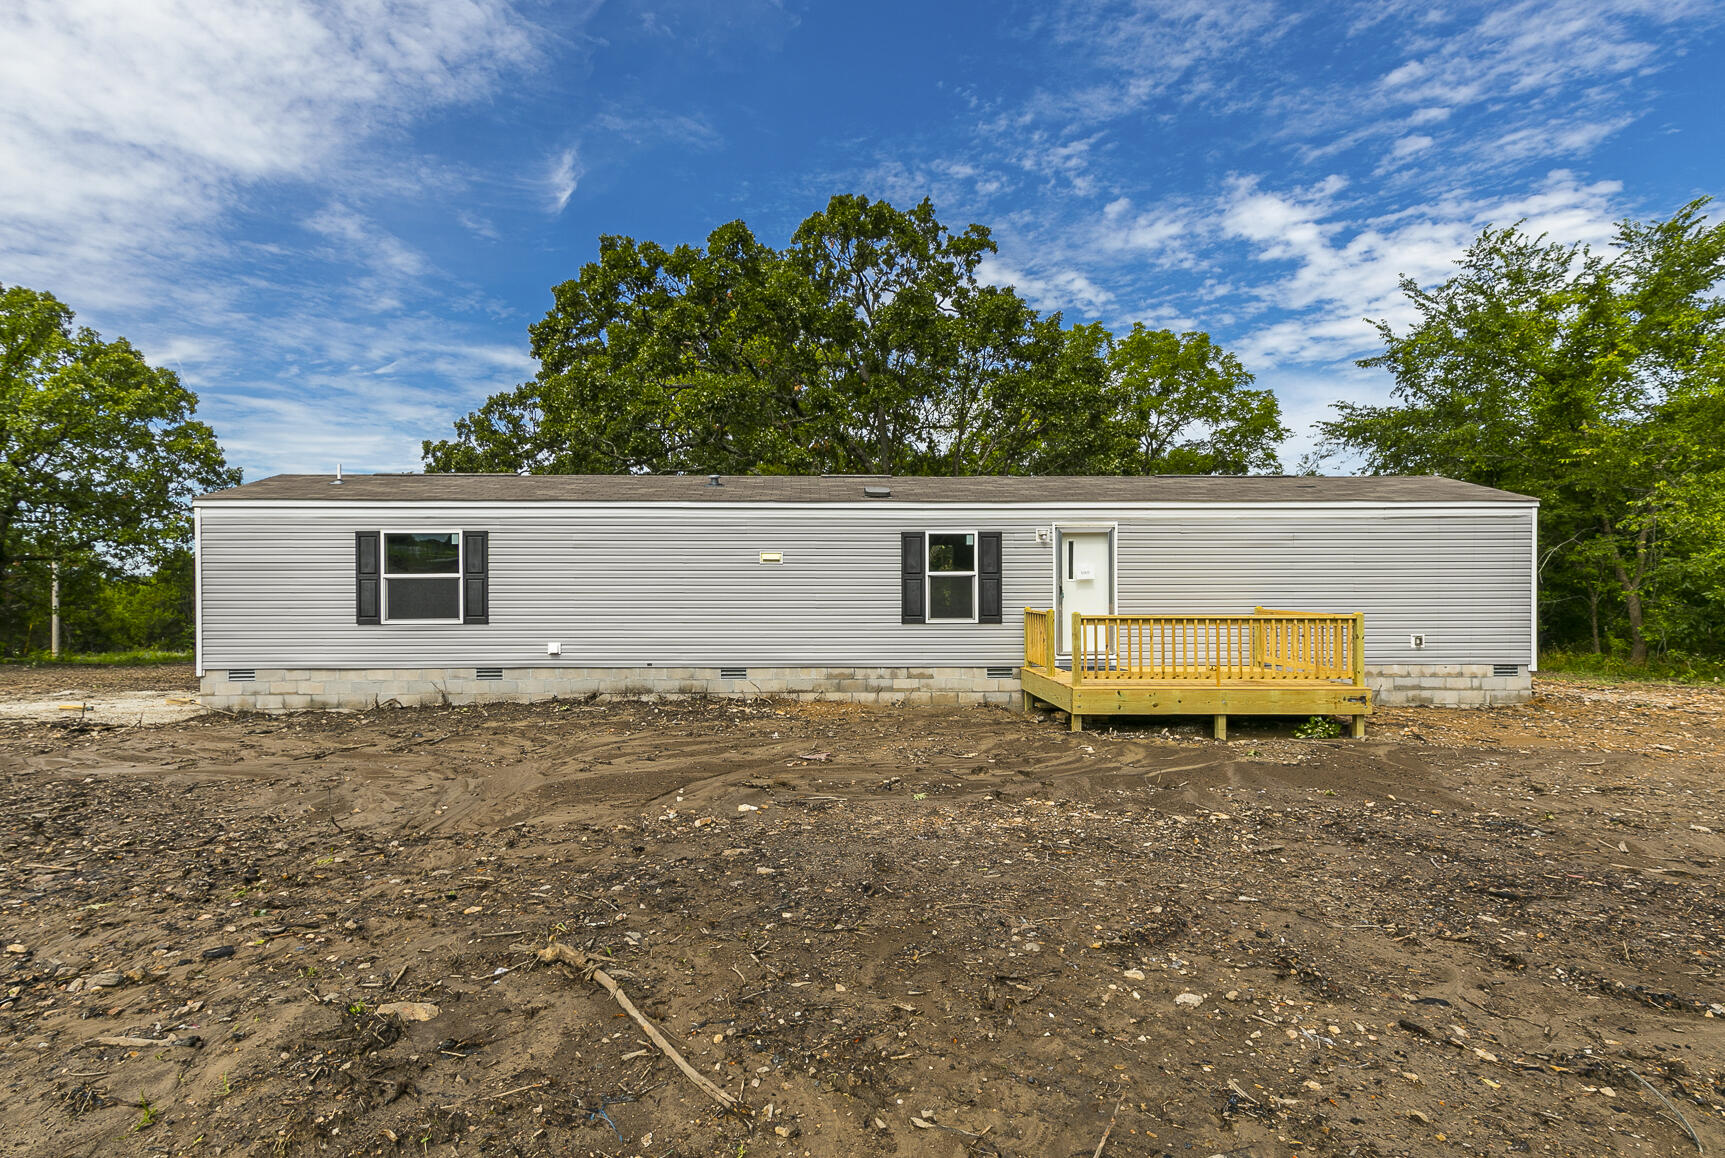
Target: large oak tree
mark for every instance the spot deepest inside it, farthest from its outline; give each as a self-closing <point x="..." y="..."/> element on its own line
<point x="869" y="344"/>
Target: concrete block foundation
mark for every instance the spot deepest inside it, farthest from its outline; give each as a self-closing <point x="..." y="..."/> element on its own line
<point x="285" y="689"/>
<point x="290" y="689"/>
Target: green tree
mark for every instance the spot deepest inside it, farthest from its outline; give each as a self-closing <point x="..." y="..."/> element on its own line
<point x="867" y="345"/>
<point x="1186" y="406"/>
<point x="98" y="450"/>
<point x="1591" y="381"/>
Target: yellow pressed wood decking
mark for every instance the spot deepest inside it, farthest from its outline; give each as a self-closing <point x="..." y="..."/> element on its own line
<point x="1268" y="663"/>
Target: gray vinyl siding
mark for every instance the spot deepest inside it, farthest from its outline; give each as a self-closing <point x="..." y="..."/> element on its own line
<point x="634" y="586"/>
<point x="1461" y="578"/>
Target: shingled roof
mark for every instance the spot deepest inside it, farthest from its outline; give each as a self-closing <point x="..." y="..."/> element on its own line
<point x="1070" y="489"/>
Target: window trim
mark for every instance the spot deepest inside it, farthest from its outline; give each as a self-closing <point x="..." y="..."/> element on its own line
<point x="459" y="575"/>
<point x="928" y="574"/>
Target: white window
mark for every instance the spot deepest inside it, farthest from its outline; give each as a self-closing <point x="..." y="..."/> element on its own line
<point x="952" y="576"/>
<point x="422" y="576"/>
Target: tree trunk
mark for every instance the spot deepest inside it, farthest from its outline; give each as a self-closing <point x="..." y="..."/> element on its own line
<point x="1637" y="640"/>
<point x="1632" y="588"/>
<point x="1593" y="615"/>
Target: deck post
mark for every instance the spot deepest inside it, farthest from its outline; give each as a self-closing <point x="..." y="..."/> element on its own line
<point x="1359" y="649"/>
<point x="1359" y="728"/>
<point x="1077" y="668"/>
<point x="1221" y="723"/>
<point x="1077" y="648"/>
<point x="1050" y="640"/>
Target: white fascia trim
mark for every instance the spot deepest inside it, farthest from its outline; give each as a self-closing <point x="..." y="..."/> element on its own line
<point x="197" y="593"/>
<point x="884" y="509"/>
<point x="1533" y="593"/>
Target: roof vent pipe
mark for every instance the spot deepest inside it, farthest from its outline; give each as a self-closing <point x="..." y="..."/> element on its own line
<point x="337" y="481"/>
<point x="713" y="481"/>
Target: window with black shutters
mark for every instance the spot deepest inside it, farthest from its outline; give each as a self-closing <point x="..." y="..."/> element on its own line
<point x="950" y="577"/>
<point x="422" y="577"/>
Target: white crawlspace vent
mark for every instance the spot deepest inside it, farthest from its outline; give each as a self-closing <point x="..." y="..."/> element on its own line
<point x="1506" y="669"/>
<point x="1002" y="673"/>
<point x="242" y="675"/>
<point x="487" y="673"/>
<point x="733" y="673"/>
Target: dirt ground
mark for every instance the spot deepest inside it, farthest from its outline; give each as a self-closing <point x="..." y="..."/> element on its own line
<point x="887" y="931"/>
<point x="147" y="694"/>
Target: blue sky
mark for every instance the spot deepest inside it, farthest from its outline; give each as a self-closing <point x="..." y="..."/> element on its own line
<point x="336" y="219"/>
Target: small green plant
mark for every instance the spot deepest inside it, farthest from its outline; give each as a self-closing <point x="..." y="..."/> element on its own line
<point x="227" y="1085"/>
<point x="1318" y="728"/>
<point x="147" y="1115"/>
<point x="310" y="971"/>
<point x="357" y="1009"/>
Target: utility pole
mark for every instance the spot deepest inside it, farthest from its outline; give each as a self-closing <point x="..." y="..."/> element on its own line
<point x="54" y="609"/>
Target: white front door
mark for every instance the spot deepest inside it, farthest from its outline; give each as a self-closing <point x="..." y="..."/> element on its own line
<point x="1086" y="562"/>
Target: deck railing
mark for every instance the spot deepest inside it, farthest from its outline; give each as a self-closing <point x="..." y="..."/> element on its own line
<point x="1040" y="639"/>
<point x="1266" y="645"/>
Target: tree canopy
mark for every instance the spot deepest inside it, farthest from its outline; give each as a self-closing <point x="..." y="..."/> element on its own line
<point x="869" y="344"/>
<point x="1596" y="383"/>
<point x="99" y="453"/>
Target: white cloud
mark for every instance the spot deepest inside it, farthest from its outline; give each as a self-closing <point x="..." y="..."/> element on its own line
<point x="562" y="175"/>
<point x="1054" y="289"/>
<point x="392" y="381"/>
<point x="1411" y="144"/>
<point x="362" y="241"/>
<point x="1342" y="269"/>
<point x="130" y="123"/>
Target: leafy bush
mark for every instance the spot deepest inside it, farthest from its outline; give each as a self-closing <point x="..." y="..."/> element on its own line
<point x="1318" y="728"/>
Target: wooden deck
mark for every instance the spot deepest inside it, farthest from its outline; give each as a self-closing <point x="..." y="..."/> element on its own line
<point x="1268" y="663"/>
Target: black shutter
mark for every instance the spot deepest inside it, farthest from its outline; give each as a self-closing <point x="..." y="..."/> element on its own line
<point x="365" y="576"/>
<point x="988" y="577"/>
<point x="913" y="558"/>
<point x="475" y="578"/>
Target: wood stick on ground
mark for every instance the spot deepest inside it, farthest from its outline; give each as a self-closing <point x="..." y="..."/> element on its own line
<point x="1109" y="1130"/>
<point x="558" y="952"/>
<point x="1687" y="1128"/>
<point x="496" y="1096"/>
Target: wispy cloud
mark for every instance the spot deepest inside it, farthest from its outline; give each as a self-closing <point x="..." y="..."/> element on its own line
<point x="128" y="123"/>
<point x="562" y="174"/>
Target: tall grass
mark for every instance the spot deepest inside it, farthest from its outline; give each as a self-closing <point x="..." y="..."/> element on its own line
<point x="1665" y="669"/>
<point x="102" y="658"/>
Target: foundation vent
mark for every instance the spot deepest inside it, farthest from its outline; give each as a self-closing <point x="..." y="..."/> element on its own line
<point x="487" y="673"/>
<point x="242" y="675"/>
<point x="1506" y="669"/>
<point x="733" y="673"/>
<point x="1002" y="673"/>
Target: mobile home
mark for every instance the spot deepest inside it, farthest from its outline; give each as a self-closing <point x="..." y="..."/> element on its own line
<point x="326" y="591"/>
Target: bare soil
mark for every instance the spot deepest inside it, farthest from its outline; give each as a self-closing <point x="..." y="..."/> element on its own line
<point x="87" y="693"/>
<point x="888" y="931"/>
